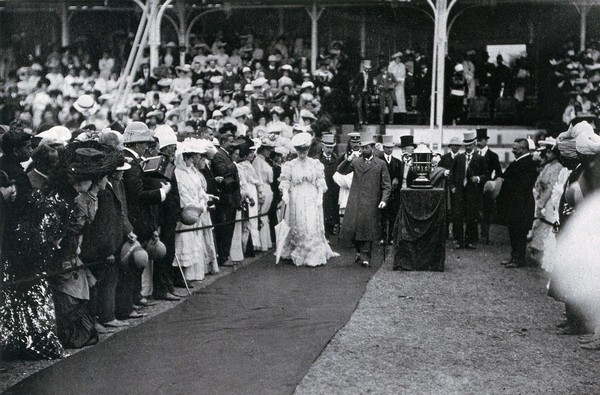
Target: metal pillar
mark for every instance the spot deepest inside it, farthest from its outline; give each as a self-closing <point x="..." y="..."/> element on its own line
<point x="363" y="34"/>
<point x="281" y="23"/>
<point x="583" y="11"/>
<point x="153" y="40"/>
<point x="314" y="15"/>
<point x="64" y="24"/>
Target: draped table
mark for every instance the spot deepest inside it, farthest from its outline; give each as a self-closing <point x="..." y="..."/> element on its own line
<point x="420" y="230"/>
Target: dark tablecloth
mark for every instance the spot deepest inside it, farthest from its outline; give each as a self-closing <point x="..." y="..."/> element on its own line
<point x="420" y="230"/>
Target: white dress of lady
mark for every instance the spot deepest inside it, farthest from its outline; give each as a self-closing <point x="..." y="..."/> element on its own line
<point x="251" y="181"/>
<point x="195" y="250"/>
<point x="302" y="183"/>
<point x="265" y="175"/>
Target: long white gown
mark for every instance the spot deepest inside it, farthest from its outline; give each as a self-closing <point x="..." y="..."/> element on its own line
<point x="195" y="250"/>
<point x="265" y="175"/>
<point x="304" y="181"/>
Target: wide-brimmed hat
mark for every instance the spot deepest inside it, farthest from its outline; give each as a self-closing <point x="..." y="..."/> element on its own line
<point x="259" y="82"/>
<point x="396" y="55"/>
<point x="137" y="132"/>
<point x="138" y="96"/>
<point x="548" y="142"/>
<point x="286" y="67"/>
<point x="455" y="141"/>
<point x="328" y="139"/>
<point x="165" y="135"/>
<point x="301" y="140"/>
<point x="307" y="85"/>
<point x="134" y="254"/>
<point x="407" y="141"/>
<point x="155" y="113"/>
<point x="58" y="132"/>
<point x="267" y="142"/>
<point x="164" y="82"/>
<point x="272" y="58"/>
<point x="243" y="111"/>
<point x="227" y="106"/>
<point x="491" y="189"/>
<point x="216" y="79"/>
<point x="156" y="249"/>
<point x="469" y="137"/>
<point x="87" y="161"/>
<point x="186" y="68"/>
<point x="304" y="113"/>
<point x="86" y="105"/>
<point x="388" y="141"/>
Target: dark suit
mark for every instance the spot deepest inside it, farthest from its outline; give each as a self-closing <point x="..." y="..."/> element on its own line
<point x="467" y="196"/>
<point x="361" y="94"/>
<point x="447" y="161"/>
<point x="487" y="207"/>
<point x="386" y="83"/>
<point x="516" y="206"/>
<point x="230" y="201"/>
<point x="331" y="209"/>
<point x="388" y="217"/>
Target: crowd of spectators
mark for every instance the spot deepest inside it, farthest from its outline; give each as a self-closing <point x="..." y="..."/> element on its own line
<point x="577" y="76"/>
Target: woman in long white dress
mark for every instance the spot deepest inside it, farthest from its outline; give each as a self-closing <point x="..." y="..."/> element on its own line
<point x="249" y="178"/>
<point x="302" y="184"/>
<point x="190" y="248"/>
<point x="265" y="193"/>
<point x="210" y="252"/>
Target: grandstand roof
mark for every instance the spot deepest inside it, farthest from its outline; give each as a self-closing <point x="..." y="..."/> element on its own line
<point x="216" y="3"/>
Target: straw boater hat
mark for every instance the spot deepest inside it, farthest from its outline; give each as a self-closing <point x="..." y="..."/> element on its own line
<point x="164" y="82"/>
<point x="469" y="137"/>
<point x="388" y="141"/>
<point x="86" y="105"/>
<point x="328" y="140"/>
<point x="455" y="141"/>
<point x="364" y="141"/>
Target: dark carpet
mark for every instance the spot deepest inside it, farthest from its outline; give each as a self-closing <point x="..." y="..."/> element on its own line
<point x="256" y="331"/>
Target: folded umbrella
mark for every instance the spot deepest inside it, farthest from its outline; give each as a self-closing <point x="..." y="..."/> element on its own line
<point x="282" y="231"/>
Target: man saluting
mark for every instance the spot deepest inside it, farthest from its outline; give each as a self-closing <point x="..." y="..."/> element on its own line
<point x="369" y="194"/>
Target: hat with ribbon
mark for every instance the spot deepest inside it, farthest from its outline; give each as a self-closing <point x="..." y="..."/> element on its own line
<point x="137" y="132"/>
<point x="469" y="137"/>
<point x="87" y="161"/>
<point x="388" y="141"/>
<point x="301" y="140"/>
<point x="86" y="105"/>
<point x="328" y="140"/>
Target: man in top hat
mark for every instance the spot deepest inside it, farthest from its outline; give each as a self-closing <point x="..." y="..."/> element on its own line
<point x="494" y="170"/>
<point x="328" y="157"/>
<point x="395" y="167"/>
<point x="407" y="144"/>
<point x="362" y="88"/>
<point x="369" y="194"/>
<point x="386" y="85"/>
<point x="467" y="176"/>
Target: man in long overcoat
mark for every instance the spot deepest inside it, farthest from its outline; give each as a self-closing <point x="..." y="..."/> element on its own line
<point x="370" y="191"/>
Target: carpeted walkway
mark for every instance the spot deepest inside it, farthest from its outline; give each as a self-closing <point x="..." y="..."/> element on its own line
<point x="256" y="331"/>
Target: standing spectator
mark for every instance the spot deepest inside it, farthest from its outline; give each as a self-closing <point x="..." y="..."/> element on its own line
<point x="168" y="213"/>
<point x="500" y="75"/>
<point x="516" y="205"/>
<point x="363" y="86"/>
<point x="386" y="85"/>
<point x="494" y="170"/>
<point x="469" y="73"/>
<point x="398" y="70"/>
<point x="329" y="159"/>
<point x="467" y="177"/>
<point x="456" y="99"/>
<point x="230" y="200"/>
<point x="265" y="193"/>
<point x="369" y="194"/>
<point x="137" y="140"/>
<point x="395" y="167"/>
<point x="106" y="65"/>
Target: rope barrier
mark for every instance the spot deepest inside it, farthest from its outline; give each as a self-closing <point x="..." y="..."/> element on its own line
<point x="44" y="275"/>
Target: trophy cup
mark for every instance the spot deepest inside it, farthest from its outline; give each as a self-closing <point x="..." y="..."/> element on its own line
<point x="422" y="166"/>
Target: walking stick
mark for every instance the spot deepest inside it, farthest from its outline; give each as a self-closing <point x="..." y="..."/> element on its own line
<point x="182" y="275"/>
